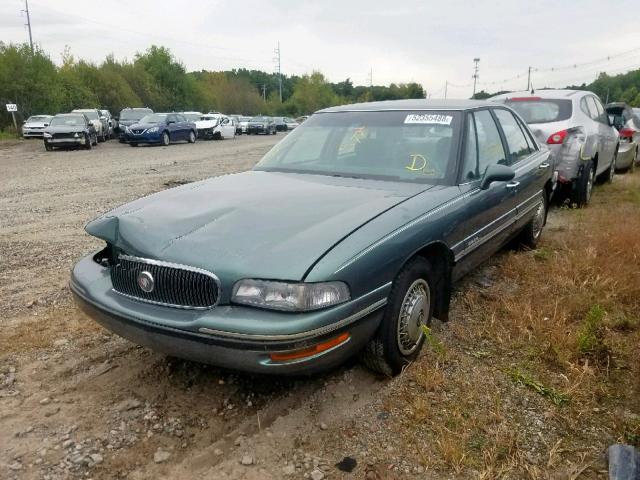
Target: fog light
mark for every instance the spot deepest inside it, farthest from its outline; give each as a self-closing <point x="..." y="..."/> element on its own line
<point x="310" y="351"/>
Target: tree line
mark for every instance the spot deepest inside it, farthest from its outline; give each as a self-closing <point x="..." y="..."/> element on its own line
<point x="156" y="79"/>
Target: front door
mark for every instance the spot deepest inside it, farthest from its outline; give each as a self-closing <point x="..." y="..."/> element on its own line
<point x="490" y="213"/>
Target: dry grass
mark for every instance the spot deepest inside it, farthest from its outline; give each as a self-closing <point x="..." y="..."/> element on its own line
<point x="538" y="373"/>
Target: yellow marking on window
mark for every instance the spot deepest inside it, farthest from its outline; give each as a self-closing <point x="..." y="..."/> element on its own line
<point x="419" y="163"/>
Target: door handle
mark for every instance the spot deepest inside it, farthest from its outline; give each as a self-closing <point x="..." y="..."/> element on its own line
<point x="543" y="166"/>
<point x="512" y="185"/>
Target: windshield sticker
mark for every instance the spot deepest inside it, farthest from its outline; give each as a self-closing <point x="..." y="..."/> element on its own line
<point x="420" y="164"/>
<point x="429" y="118"/>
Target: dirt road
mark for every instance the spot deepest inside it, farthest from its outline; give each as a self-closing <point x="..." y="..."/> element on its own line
<point x="78" y="402"/>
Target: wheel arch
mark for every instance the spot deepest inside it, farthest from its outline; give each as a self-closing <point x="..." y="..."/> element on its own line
<point x="442" y="260"/>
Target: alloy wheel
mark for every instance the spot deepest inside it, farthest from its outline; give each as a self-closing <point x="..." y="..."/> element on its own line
<point x="414" y="312"/>
<point x="165" y="139"/>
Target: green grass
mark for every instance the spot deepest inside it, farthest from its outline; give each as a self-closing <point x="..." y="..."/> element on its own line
<point x="552" y="394"/>
<point x="590" y="335"/>
<point x="4" y="135"/>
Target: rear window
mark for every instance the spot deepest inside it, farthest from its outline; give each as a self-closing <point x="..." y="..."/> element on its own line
<point x="541" y="110"/>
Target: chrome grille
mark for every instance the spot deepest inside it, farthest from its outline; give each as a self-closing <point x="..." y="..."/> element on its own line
<point x="173" y="285"/>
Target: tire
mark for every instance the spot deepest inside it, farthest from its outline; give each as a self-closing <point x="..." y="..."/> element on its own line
<point x="87" y="142"/>
<point x="101" y="137"/>
<point x="583" y="185"/>
<point x="166" y="139"/>
<point x="192" y="136"/>
<point x="399" y="337"/>
<point x="133" y="144"/>
<point x="48" y="148"/>
<point x="95" y="140"/>
<point x="530" y="235"/>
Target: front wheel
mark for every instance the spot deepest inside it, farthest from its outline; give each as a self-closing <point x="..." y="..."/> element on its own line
<point x="583" y="185"/>
<point x="133" y="144"/>
<point x="400" y="335"/>
<point x="47" y="147"/>
<point x="165" y="139"/>
<point x="192" y="137"/>
<point x="87" y="142"/>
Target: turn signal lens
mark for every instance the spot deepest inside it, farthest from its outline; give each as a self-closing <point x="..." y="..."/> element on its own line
<point x="310" y="351"/>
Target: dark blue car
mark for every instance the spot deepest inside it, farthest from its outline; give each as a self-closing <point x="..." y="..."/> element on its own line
<point x="161" y="128"/>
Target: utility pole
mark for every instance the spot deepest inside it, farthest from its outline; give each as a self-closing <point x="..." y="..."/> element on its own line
<point x="475" y="75"/>
<point x="529" y="80"/>
<point x="279" y="71"/>
<point x="264" y="92"/>
<point x="371" y="77"/>
<point x="446" y="84"/>
<point x="28" y="24"/>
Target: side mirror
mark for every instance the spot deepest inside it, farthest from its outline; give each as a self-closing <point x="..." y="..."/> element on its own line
<point x="169" y="122"/>
<point x="496" y="173"/>
<point x="46" y="124"/>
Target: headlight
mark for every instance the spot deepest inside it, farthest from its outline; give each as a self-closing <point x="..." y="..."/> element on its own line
<point x="47" y="135"/>
<point x="153" y="130"/>
<point x="292" y="297"/>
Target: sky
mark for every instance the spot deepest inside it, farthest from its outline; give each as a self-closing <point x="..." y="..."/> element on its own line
<point x="424" y="41"/>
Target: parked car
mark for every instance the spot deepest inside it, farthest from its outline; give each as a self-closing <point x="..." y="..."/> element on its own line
<point x="291" y="123"/>
<point x="261" y="124"/>
<point x="34" y="126"/>
<point x="244" y="124"/>
<point x="281" y="125"/>
<point x="129" y="116"/>
<point x="627" y="122"/>
<point x="99" y="122"/>
<point x="112" y="123"/>
<point x="212" y="126"/>
<point x="345" y="238"/>
<point x="575" y="127"/>
<point x="70" y="130"/>
<point x="161" y="128"/>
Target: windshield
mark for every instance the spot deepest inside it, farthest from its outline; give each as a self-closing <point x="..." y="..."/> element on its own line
<point x="260" y="119"/>
<point x="539" y="110"/>
<point x="90" y="114"/>
<point x="193" y="117"/>
<point x="245" y="119"/>
<point x="400" y="146"/>
<point x="154" y="118"/>
<point x="134" y="114"/>
<point x="74" y="120"/>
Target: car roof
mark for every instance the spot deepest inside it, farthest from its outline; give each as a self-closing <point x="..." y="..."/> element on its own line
<point x="72" y="114"/>
<point x="556" y="94"/>
<point x="417" y="104"/>
<point x="82" y="110"/>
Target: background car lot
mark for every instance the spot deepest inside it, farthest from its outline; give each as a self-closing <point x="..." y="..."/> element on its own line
<point x="63" y="378"/>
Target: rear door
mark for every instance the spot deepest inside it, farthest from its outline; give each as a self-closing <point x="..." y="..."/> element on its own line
<point x="532" y="167"/>
<point x="491" y="212"/>
<point x="183" y="126"/>
<point x="609" y="133"/>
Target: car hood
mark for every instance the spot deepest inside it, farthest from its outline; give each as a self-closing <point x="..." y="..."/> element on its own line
<point x="251" y="224"/>
<point x="145" y="125"/>
<point x="206" y="123"/>
<point x="35" y="124"/>
<point x="64" y="129"/>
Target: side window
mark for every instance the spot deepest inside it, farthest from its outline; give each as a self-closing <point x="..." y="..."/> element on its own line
<point x="592" y="109"/>
<point x="489" y="149"/>
<point x="470" y="168"/>
<point x="602" y="117"/>
<point x="180" y="118"/>
<point x="533" y="146"/>
<point x="516" y="141"/>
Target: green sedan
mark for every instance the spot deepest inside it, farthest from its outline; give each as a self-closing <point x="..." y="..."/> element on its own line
<point x="344" y="239"/>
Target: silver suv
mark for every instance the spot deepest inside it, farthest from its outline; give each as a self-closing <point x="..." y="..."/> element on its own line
<point x="575" y="127"/>
<point x="99" y="122"/>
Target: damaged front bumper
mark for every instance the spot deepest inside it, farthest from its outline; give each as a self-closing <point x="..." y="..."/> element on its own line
<point x="235" y="337"/>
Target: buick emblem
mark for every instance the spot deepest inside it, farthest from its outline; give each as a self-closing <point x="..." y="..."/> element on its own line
<point x="146" y="282"/>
